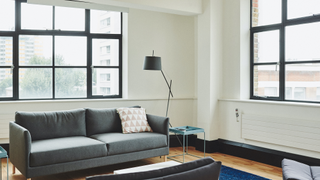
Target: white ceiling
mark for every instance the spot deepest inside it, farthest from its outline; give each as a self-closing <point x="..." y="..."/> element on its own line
<point x="180" y="7"/>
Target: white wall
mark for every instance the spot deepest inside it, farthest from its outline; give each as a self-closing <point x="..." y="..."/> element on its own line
<point x="172" y="38"/>
<point x="236" y="83"/>
<point x="209" y="35"/>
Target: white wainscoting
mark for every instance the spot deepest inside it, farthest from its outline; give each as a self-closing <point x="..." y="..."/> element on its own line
<point x="5" y="118"/>
<point x="298" y="133"/>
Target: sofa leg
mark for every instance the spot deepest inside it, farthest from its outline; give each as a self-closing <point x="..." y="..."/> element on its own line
<point x="13" y="169"/>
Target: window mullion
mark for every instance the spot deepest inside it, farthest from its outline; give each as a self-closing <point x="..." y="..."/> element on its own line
<point x="53" y="56"/>
<point x="89" y="53"/>
<point x="89" y="69"/>
<point x="282" y="51"/>
<point x="120" y="57"/>
<point x="15" y="55"/>
<point x="53" y="68"/>
<point x="282" y="64"/>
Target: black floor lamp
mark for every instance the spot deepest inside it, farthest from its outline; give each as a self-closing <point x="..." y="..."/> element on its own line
<point x="154" y="63"/>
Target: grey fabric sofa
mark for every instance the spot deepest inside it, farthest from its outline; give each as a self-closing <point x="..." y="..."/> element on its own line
<point x="44" y="143"/>
<point x="293" y="170"/>
<point x="204" y="169"/>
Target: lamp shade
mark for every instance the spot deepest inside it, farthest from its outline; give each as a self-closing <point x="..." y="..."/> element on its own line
<point x="152" y="63"/>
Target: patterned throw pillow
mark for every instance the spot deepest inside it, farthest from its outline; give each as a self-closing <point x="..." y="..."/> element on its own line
<point x="133" y="120"/>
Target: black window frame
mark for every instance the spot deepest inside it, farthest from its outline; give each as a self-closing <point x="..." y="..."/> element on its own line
<point x="89" y="67"/>
<point x="285" y="22"/>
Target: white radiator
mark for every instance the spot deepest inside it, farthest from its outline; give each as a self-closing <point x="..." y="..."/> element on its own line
<point x="298" y="133"/>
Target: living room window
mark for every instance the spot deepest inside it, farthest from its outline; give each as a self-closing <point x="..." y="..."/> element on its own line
<point x="285" y="56"/>
<point x="60" y="54"/>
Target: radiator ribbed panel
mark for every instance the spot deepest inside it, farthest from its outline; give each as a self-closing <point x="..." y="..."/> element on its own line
<point x="298" y="133"/>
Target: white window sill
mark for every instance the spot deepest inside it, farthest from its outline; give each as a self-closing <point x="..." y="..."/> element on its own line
<point x="286" y="103"/>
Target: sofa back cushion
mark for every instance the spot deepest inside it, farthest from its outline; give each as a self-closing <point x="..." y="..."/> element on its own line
<point x="100" y="121"/>
<point x="48" y="125"/>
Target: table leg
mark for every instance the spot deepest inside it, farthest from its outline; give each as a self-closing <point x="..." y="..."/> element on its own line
<point x="1" y="168"/>
<point x="187" y="144"/>
<point x="204" y="144"/>
<point x="7" y="168"/>
<point x="183" y="147"/>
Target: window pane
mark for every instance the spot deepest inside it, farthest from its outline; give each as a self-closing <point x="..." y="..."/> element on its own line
<point x="5" y="83"/>
<point x="105" y="22"/>
<point x="318" y="93"/>
<point x="35" y="83"/>
<point x="36" y="16"/>
<point x="266" y="46"/>
<point x="105" y="52"/>
<point x="266" y="80"/>
<point x="304" y="80"/>
<point x="70" y="19"/>
<point x="7" y="15"/>
<point x="265" y="12"/>
<point x="302" y="42"/>
<point x="70" y="82"/>
<point x="105" y="81"/>
<point x="70" y="51"/>
<point x="35" y="50"/>
<point x="288" y="93"/>
<point x="303" y="8"/>
<point x="5" y="51"/>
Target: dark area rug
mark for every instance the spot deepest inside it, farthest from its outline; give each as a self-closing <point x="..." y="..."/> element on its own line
<point x="228" y="173"/>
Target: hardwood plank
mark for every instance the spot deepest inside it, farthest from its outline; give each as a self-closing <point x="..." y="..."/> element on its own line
<point x="253" y="167"/>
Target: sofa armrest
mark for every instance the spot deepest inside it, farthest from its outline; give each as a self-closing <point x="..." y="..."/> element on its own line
<point x="19" y="146"/>
<point x="159" y="124"/>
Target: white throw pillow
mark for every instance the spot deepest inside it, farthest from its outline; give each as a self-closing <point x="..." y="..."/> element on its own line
<point x="133" y="120"/>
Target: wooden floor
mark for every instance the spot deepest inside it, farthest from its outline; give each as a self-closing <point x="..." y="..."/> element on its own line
<point x="253" y="167"/>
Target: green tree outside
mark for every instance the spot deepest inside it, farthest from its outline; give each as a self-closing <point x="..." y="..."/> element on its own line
<point x="37" y="82"/>
<point x="4" y="84"/>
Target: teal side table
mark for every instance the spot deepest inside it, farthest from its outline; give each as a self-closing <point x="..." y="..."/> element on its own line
<point x="185" y="131"/>
<point x="3" y="154"/>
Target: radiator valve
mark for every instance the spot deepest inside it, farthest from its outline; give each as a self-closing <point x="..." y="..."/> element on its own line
<point x="237" y="114"/>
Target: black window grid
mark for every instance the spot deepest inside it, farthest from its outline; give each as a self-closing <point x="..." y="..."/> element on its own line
<point x="282" y="63"/>
<point x="86" y="33"/>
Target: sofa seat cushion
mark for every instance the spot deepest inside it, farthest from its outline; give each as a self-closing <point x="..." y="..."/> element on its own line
<point x="295" y="170"/>
<point x="315" y="170"/>
<point x="119" y="143"/>
<point x="60" y="150"/>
